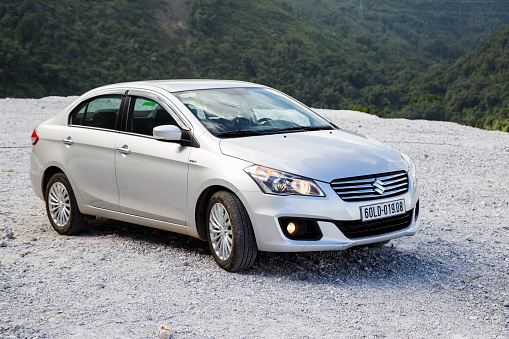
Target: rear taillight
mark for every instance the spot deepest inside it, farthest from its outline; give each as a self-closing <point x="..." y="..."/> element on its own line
<point x="35" y="137"/>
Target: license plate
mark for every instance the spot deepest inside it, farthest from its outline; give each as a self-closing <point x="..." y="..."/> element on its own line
<point x="383" y="210"/>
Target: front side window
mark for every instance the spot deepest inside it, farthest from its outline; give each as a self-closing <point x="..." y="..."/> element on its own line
<point x="101" y="112"/>
<point x="233" y="112"/>
<point x="145" y="115"/>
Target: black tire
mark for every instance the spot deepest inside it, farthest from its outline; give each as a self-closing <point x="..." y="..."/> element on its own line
<point x="61" y="207"/>
<point x="233" y="229"/>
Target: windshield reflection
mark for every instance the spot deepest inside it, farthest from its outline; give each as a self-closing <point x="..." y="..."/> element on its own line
<point x="237" y="112"/>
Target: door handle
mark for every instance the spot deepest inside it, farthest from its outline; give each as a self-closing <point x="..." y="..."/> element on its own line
<point x="124" y="149"/>
<point x="68" y="141"/>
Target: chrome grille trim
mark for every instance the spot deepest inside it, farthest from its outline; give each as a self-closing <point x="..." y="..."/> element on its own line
<point x="361" y="188"/>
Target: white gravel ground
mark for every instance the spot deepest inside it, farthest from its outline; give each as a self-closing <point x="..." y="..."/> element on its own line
<point x="119" y="280"/>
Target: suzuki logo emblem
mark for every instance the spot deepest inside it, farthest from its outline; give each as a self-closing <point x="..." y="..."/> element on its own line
<point x="379" y="186"/>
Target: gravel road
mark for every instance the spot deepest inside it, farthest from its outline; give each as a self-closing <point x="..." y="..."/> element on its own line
<point x="118" y="280"/>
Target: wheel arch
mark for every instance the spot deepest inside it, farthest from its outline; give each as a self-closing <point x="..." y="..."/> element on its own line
<point x="48" y="173"/>
<point x="200" y="214"/>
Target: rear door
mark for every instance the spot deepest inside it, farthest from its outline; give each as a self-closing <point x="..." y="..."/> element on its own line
<point x="151" y="174"/>
<point x="88" y="149"/>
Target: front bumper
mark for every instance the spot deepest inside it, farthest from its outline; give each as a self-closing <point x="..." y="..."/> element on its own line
<point x="265" y="211"/>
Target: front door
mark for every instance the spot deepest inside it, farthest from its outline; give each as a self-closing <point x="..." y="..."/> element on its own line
<point x="151" y="174"/>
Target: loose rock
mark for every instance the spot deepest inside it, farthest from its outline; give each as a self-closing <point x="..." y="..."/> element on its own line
<point x="61" y="287"/>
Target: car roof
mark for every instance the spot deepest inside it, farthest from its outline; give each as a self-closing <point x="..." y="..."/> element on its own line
<point x="184" y="84"/>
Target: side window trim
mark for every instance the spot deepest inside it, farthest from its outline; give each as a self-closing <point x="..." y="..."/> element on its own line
<point x="123" y="111"/>
<point x="85" y="114"/>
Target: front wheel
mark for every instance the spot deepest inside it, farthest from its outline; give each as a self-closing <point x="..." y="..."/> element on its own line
<point x="230" y="234"/>
<point x="63" y="212"/>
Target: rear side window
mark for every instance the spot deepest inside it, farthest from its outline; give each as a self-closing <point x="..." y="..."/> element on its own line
<point x="101" y="112"/>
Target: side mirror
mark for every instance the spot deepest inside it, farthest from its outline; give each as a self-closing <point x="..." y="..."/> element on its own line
<point x="167" y="133"/>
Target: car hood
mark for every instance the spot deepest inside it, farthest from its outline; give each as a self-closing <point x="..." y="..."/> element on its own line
<point x="320" y="155"/>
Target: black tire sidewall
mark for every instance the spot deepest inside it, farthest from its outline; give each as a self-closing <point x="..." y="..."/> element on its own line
<point x="76" y="218"/>
<point x="241" y="228"/>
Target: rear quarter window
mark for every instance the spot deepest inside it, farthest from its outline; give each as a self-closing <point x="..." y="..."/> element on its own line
<point x="77" y="115"/>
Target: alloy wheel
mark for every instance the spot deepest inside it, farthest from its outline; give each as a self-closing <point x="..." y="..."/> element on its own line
<point x="220" y="229"/>
<point x="59" y="204"/>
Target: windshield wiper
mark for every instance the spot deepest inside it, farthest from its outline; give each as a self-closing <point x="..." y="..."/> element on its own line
<point x="301" y="129"/>
<point x="238" y="133"/>
<point x="247" y="133"/>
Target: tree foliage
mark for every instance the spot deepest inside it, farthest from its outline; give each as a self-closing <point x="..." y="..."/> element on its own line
<point x="475" y="88"/>
<point x="395" y="59"/>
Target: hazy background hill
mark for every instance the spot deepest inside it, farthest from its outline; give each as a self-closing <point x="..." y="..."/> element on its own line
<point x="473" y="90"/>
<point x="419" y="59"/>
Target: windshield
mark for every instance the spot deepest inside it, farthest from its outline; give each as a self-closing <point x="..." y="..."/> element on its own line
<point x="236" y="112"/>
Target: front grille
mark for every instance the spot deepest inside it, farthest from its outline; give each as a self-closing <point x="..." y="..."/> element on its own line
<point x="358" y="229"/>
<point x="371" y="187"/>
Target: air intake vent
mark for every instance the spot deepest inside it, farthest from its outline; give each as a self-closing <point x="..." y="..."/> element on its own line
<point x="358" y="229"/>
<point x="371" y="187"/>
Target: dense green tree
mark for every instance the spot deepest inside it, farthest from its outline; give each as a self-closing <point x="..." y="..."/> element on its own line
<point x="474" y="89"/>
<point x="323" y="52"/>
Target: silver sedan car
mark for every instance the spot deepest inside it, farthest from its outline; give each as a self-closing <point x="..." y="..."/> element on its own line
<point x="240" y="165"/>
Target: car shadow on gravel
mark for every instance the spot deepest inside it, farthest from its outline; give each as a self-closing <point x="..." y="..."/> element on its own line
<point x="378" y="265"/>
<point x="364" y="265"/>
<point x="102" y="227"/>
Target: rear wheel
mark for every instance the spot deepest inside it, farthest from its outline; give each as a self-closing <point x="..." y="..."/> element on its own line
<point x="230" y="234"/>
<point x="63" y="212"/>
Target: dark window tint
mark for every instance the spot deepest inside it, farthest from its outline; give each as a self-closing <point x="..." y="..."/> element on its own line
<point x="147" y="114"/>
<point x="100" y="112"/>
<point x="78" y="114"/>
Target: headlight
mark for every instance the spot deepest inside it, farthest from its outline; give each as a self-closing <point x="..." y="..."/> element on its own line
<point x="411" y="166"/>
<point x="272" y="181"/>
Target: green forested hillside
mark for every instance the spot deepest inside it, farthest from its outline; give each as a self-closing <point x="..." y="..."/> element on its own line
<point x="262" y="42"/>
<point x="441" y="30"/>
<point x="473" y="90"/>
<point x="326" y="53"/>
<point x="65" y="47"/>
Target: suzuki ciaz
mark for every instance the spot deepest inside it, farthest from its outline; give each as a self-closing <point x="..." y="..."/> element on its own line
<point x="240" y="165"/>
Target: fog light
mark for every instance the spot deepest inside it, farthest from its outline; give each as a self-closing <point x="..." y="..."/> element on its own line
<point x="296" y="228"/>
<point x="300" y="229"/>
<point x="291" y="228"/>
